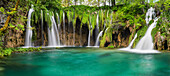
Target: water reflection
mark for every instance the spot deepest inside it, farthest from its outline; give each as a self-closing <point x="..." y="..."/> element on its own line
<point x="79" y="62"/>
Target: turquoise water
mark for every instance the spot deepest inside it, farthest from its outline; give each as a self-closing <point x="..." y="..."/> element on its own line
<point x="86" y="62"/>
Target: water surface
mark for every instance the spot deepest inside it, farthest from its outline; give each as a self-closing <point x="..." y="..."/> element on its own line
<point x="86" y="62"/>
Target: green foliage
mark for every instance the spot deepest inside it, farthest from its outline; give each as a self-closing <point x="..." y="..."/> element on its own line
<point x="18" y="27"/>
<point x="2" y="10"/>
<point x="9" y="51"/>
<point x="110" y="47"/>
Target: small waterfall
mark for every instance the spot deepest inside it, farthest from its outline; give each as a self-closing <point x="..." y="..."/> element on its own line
<point x="146" y="42"/>
<point x="58" y="20"/>
<point x="28" y="37"/>
<point x="56" y="29"/>
<point x="52" y="32"/>
<point x="98" y="37"/>
<point x="97" y="27"/>
<point x="131" y="43"/>
<point x="150" y="13"/>
<point x="59" y="26"/>
<point x="64" y="30"/>
<point x="97" y="21"/>
<point x="90" y="27"/>
<point x="89" y="39"/>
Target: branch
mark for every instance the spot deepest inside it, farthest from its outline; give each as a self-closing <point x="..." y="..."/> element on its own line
<point x="8" y="18"/>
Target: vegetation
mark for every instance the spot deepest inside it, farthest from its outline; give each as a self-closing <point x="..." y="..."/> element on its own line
<point x="112" y="16"/>
<point x="9" y="51"/>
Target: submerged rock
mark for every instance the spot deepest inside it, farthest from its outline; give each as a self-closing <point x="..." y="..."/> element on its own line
<point x="1" y="68"/>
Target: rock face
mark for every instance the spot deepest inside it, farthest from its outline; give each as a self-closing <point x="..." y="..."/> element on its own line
<point x="161" y="43"/>
<point x="120" y="38"/>
<point x="80" y="34"/>
<point x="14" y="39"/>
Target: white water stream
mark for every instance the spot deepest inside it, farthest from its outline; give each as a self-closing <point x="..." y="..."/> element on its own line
<point x="98" y="38"/>
<point x="28" y="38"/>
<point x="145" y="44"/>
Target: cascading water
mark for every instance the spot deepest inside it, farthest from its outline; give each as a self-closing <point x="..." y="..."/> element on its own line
<point x="97" y="27"/>
<point x="150" y="13"/>
<point x="131" y="43"/>
<point x="59" y="27"/>
<point x="51" y="35"/>
<point x="146" y="42"/>
<point x="28" y="37"/>
<point x="52" y="32"/>
<point x="145" y="45"/>
<point x="56" y="29"/>
<point x="90" y="26"/>
<point x="89" y="39"/>
<point x="98" y="37"/>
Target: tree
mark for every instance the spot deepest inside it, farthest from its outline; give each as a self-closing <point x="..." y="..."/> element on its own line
<point x="9" y="16"/>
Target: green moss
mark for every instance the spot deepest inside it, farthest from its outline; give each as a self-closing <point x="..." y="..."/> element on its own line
<point x="110" y="47"/>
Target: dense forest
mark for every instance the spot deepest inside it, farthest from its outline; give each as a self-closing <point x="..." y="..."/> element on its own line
<point x="79" y="21"/>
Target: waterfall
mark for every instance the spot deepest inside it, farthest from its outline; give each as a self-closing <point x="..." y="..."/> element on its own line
<point x="97" y="27"/>
<point x="59" y="27"/>
<point x="150" y="13"/>
<point x="52" y="32"/>
<point x="89" y="39"/>
<point x="146" y="42"/>
<point x="56" y="29"/>
<point x="64" y="30"/>
<point x="131" y="43"/>
<point x="97" y="41"/>
<point x="58" y="21"/>
<point x="97" y="21"/>
<point x="28" y="37"/>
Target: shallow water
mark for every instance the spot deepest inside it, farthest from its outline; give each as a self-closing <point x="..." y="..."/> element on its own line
<point x="86" y="62"/>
